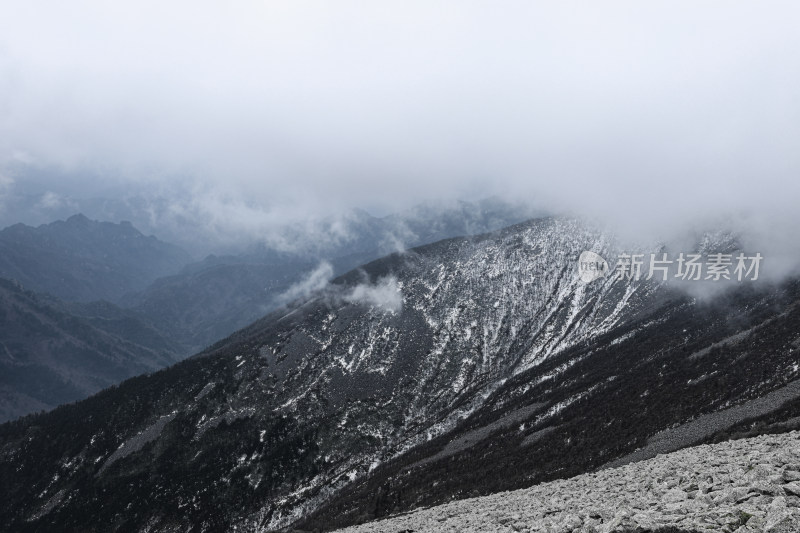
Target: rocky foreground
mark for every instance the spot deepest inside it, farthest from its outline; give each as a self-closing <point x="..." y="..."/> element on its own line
<point x="742" y="486"/>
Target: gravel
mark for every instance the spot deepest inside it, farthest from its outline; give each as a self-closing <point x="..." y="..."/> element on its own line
<point x="743" y="486"/>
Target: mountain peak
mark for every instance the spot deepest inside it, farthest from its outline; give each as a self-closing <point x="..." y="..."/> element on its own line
<point x="78" y="218"/>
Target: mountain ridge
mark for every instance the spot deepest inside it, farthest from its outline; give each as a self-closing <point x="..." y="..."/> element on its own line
<point x="310" y="416"/>
<point x="82" y="260"/>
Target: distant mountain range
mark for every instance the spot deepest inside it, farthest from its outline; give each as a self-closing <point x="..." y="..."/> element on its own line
<point x="456" y="369"/>
<point x="82" y="260"/>
<point x="53" y="352"/>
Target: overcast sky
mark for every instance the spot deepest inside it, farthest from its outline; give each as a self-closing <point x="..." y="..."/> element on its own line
<point x="648" y="112"/>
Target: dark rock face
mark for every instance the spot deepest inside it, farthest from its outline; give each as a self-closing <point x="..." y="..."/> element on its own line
<point x="460" y="368"/>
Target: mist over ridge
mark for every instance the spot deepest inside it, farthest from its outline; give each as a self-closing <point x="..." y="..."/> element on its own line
<point x="656" y="119"/>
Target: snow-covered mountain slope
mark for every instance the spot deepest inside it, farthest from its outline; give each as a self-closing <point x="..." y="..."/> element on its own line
<point x="743" y="486"/>
<point x="638" y="390"/>
<point x="466" y="366"/>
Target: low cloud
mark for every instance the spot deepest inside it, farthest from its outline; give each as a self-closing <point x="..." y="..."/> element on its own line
<point x="385" y="294"/>
<point x="315" y="281"/>
<point x="296" y="111"/>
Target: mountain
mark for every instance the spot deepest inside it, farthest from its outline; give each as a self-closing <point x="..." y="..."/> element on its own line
<point x="682" y="373"/>
<point x="211" y="299"/>
<point x="52" y="352"/>
<point x="83" y="260"/>
<point x="460" y="368"/>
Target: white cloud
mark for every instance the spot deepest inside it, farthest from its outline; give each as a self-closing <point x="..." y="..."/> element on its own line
<point x="50" y="200"/>
<point x="385" y="294"/>
<point x="660" y="113"/>
<point x="316" y="281"/>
